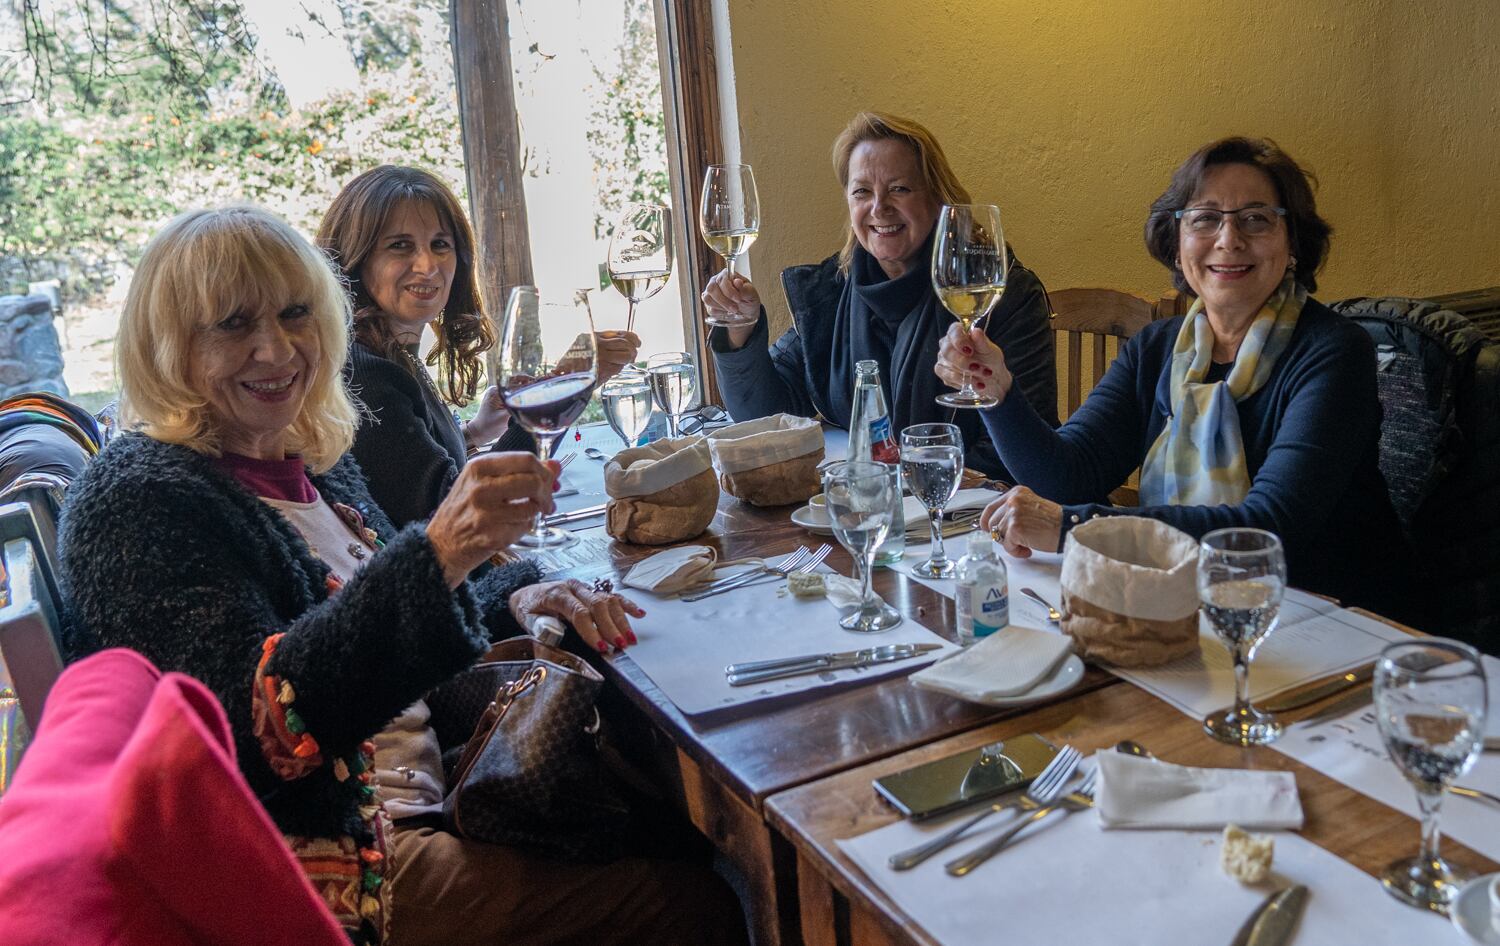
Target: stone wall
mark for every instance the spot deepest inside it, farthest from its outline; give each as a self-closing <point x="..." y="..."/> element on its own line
<point x="30" y="353"/>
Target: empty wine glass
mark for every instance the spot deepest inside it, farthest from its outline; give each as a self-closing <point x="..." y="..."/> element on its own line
<point x="860" y="496"/>
<point x="729" y="218"/>
<point x="1430" y="703"/>
<point x="1241" y="580"/>
<point x="640" y="255"/>
<point x="628" y="402"/>
<point x="548" y="366"/>
<point x="932" y="461"/>
<point x="674" y="384"/>
<point x="968" y="275"/>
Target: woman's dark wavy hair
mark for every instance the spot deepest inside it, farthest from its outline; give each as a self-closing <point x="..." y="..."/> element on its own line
<point x="349" y="233"/>
<point x="1307" y="233"/>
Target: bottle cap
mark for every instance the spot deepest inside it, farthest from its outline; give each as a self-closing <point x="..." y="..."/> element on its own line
<point x="547" y="630"/>
<point x="980" y="543"/>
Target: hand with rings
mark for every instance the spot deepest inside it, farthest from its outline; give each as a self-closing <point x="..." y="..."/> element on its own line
<point x="1022" y="521"/>
<point x="599" y="616"/>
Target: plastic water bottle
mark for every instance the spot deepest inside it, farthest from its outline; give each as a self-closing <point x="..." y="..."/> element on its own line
<point x="983" y="590"/>
<point x="871" y="438"/>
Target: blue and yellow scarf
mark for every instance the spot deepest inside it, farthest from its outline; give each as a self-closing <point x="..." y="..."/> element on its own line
<point x="1199" y="458"/>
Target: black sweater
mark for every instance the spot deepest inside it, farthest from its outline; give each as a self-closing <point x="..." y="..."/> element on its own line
<point x="164" y="554"/>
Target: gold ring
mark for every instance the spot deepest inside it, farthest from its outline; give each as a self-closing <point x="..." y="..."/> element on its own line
<point x="997" y="536"/>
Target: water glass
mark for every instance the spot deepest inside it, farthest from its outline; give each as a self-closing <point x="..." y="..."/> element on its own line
<point x="1430" y="703"/>
<point x="1241" y="580"/>
<point x="628" y="403"/>
<point x="932" y="461"/>
<point x="674" y="384"/>
<point x="860" y="495"/>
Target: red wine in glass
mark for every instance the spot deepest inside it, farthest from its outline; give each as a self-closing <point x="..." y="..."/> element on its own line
<point x="551" y="405"/>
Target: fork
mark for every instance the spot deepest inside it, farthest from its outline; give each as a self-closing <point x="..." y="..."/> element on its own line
<point x="1042" y="790"/>
<point x="567" y="458"/>
<point x="792" y="560"/>
<point x="1076" y="800"/>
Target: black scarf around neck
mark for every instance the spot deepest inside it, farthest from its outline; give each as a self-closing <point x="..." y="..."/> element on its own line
<point x="899" y="323"/>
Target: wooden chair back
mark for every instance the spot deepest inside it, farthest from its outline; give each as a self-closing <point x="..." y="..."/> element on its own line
<point x="1099" y="314"/>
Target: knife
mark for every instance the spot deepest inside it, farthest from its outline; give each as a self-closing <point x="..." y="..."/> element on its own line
<point x="859" y="660"/>
<point x="575" y="515"/>
<point x="809" y="659"/>
<point x="1317" y="690"/>
<point x="1274" y="922"/>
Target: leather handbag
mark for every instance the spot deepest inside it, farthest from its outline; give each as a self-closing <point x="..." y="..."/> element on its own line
<point x="530" y="773"/>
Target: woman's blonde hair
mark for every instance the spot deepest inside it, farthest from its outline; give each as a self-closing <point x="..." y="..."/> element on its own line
<point x="937" y="173"/>
<point x="201" y="267"/>
<point x="349" y="234"/>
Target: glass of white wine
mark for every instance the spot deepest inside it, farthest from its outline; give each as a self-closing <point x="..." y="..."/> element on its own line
<point x="968" y="275"/>
<point x="729" y="217"/>
<point x="640" y="255"/>
<point x="674" y="384"/>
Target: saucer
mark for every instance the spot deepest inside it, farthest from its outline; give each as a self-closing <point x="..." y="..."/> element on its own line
<point x="1470" y="911"/>
<point x="803" y="517"/>
<point x="1063" y="679"/>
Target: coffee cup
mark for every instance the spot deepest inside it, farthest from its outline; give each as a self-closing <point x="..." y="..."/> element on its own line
<point x="817" y="510"/>
<point x="1495" y="902"/>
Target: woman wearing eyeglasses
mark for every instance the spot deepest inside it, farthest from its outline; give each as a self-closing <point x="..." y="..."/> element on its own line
<point x="1257" y="408"/>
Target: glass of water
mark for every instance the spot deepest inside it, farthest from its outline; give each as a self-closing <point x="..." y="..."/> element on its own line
<point x="1241" y="580"/>
<point x="860" y="497"/>
<point x="932" y="460"/>
<point x="628" y="402"/>
<point x="1430" y="703"/>
<point x="674" y="384"/>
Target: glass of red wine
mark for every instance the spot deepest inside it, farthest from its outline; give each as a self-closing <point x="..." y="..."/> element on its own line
<point x="548" y="368"/>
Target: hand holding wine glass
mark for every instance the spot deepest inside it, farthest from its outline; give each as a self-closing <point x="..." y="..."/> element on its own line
<point x="640" y="255"/>
<point x="1241" y="581"/>
<point x="729" y="219"/>
<point x="548" y="369"/>
<point x="733" y="300"/>
<point x="1431" y="701"/>
<point x="968" y="274"/>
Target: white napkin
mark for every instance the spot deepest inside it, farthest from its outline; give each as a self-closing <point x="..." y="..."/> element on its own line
<point x="1009" y="662"/>
<point x="673" y="570"/>
<point x="1134" y="792"/>
<point x="912" y="507"/>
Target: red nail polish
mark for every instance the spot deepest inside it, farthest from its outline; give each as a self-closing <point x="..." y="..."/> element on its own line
<point x="973" y="366"/>
<point x="603" y="647"/>
<point x="979" y="384"/>
<point x="620" y="643"/>
<point x="988" y="372"/>
<point x="556" y="485"/>
<point x="631" y="637"/>
<point x="967" y="350"/>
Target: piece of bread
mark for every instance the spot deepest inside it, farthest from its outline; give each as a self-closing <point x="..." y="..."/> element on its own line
<point x="1246" y="857"/>
<point x="807" y="585"/>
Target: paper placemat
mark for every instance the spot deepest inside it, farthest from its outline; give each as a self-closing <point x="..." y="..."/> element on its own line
<point x="1072" y="882"/>
<point x="684" y="646"/>
<point x="1349" y="749"/>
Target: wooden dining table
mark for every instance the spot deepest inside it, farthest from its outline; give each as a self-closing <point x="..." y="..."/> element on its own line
<point x="774" y="785"/>
<point x="721" y="770"/>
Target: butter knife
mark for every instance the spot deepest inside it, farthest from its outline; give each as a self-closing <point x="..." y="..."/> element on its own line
<point x="1311" y="693"/>
<point x="817" y="661"/>
<point x="1274" y="922"/>
<point x="879" y="655"/>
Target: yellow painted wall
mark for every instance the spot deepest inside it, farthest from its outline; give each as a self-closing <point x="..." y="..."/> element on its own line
<point x="1071" y="115"/>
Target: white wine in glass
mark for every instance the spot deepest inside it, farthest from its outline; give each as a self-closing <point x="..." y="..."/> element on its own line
<point x="968" y="274"/>
<point x="640" y="255"/>
<point x="729" y="218"/>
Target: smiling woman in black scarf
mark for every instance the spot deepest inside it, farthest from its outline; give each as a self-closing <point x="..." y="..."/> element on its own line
<point x="874" y="299"/>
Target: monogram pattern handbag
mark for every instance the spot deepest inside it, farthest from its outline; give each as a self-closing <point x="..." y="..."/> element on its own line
<point x="530" y="773"/>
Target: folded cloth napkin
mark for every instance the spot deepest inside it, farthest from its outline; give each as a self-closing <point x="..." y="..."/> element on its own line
<point x="1009" y="662"/>
<point x="964" y="499"/>
<point x="1135" y="792"/>
<point x="673" y="570"/>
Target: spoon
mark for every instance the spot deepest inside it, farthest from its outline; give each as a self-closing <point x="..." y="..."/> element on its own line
<point x="1053" y="615"/>
<point x="594" y="453"/>
<point x="1130" y="747"/>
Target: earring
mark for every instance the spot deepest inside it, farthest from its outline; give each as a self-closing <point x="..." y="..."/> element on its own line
<point x="1291" y="265"/>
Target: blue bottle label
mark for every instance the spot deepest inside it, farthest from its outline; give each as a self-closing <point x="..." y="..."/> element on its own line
<point x="993" y="612"/>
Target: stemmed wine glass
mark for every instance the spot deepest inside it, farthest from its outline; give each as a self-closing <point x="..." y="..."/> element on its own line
<point x="548" y="366"/>
<point x="860" y="496"/>
<point x="1241" y="580"/>
<point x="968" y="275"/>
<point x="1430" y="703"/>
<point x="674" y="384"/>
<point x="628" y="402"/>
<point x="729" y="218"/>
<point x="932" y="461"/>
<point x="640" y="255"/>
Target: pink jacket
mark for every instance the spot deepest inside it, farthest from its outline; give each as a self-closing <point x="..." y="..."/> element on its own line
<point x="129" y="823"/>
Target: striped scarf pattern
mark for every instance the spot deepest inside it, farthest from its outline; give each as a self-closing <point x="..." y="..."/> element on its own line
<point x="1199" y="458"/>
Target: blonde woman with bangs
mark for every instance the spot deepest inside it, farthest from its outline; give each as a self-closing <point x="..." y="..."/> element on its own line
<point x="874" y="300"/>
<point x="232" y="538"/>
